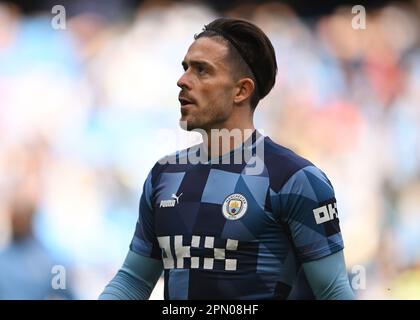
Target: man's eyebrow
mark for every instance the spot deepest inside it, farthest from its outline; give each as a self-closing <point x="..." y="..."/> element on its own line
<point x="196" y="63"/>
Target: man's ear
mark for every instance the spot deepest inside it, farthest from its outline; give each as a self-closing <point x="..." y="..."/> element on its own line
<point x="245" y="89"/>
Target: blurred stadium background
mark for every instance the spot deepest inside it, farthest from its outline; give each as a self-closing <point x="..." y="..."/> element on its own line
<point x="86" y="111"/>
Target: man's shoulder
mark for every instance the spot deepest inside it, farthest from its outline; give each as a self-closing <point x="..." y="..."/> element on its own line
<point x="173" y="162"/>
<point x="279" y="155"/>
<point x="179" y="156"/>
<point x="282" y="163"/>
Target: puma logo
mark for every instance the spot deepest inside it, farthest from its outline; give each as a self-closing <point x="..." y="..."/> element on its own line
<point x="176" y="197"/>
<point x="170" y="203"/>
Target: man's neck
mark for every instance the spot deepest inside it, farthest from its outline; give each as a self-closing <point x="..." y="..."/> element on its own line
<point x="222" y="141"/>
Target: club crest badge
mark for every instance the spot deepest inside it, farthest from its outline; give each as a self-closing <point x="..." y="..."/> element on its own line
<point x="234" y="206"/>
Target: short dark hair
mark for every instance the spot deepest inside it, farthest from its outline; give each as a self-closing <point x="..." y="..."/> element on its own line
<point x="250" y="51"/>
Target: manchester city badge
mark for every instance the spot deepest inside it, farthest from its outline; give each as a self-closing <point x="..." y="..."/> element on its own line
<point x="234" y="206"/>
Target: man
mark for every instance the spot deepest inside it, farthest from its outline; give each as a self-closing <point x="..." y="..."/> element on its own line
<point x="25" y="265"/>
<point x="228" y="229"/>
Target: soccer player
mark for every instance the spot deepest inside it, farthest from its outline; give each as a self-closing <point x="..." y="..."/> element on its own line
<point x="245" y="219"/>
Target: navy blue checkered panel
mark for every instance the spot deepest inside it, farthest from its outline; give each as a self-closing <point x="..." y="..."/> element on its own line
<point x="226" y="232"/>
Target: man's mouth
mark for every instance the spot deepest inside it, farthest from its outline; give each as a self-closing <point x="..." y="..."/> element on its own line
<point x="185" y="101"/>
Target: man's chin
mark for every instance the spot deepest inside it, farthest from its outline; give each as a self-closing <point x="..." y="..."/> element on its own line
<point x="188" y="125"/>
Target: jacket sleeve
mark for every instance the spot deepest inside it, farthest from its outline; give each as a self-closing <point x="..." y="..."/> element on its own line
<point x="328" y="278"/>
<point x="135" y="280"/>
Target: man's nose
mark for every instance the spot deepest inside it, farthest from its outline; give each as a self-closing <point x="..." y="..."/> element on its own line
<point x="184" y="82"/>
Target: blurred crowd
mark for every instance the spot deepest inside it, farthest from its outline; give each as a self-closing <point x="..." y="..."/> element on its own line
<point x="86" y="111"/>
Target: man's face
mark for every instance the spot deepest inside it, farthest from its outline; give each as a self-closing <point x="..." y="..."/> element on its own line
<point x="207" y="85"/>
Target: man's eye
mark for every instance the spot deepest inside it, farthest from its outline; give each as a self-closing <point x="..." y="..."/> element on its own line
<point x="201" y="70"/>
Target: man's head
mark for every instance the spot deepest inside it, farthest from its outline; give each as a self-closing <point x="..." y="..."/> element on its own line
<point x="229" y="67"/>
<point x="22" y="212"/>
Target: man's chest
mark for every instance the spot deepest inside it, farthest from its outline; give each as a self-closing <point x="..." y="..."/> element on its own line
<point x="213" y="219"/>
<point x="212" y="202"/>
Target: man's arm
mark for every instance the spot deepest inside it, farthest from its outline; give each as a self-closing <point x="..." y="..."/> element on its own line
<point x="135" y="280"/>
<point x="143" y="264"/>
<point x="328" y="278"/>
<point x="308" y="207"/>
